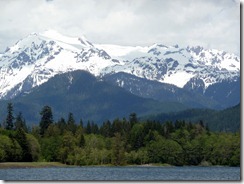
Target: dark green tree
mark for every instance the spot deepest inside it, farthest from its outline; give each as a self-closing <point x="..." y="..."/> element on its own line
<point x="79" y="134"/>
<point x="20" y="122"/>
<point x="81" y="123"/>
<point x="71" y="123"/>
<point x="61" y="125"/>
<point x="46" y="119"/>
<point x="150" y="136"/>
<point x="105" y="129"/>
<point x="117" y="126"/>
<point x="88" y="128"/>
<point x="10" y="118"/>
<point x="94" y="128"/>
<point x="81" y="142"/>
<point x="168" y="128"/>
<point x="23" y="142"/>
<point x="137" y="136"/>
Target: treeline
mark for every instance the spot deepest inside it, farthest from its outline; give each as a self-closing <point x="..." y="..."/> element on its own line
<point x="227" y="120"/>
<point x="118" y="142"/>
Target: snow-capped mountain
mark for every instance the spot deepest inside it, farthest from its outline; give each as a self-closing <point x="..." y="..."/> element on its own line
<point x="38" y="57"/>
<point x="212" y="77"/>
<point x="175" y="65"/>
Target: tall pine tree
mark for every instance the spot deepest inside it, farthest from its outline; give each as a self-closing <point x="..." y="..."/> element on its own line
<point x="46" y="119"/>
<point x="20" y="122"/>
<point x="23" y="142"/>
<point x="10" y="117"/>
<point x="88" y="128"/>
<point x="62" y="125"/>
<point x="71" y="123"/>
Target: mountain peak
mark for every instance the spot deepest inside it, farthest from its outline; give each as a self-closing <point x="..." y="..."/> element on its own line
<point x="36" y="58"/>
<point x="56" y="36"/>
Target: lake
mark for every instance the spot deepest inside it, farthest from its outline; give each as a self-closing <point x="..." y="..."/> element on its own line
<point x="129" y="173"/>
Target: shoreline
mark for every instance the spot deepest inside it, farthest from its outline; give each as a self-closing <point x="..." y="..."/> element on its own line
<point x="15" y="165"/>
<point x="23" y="165"/>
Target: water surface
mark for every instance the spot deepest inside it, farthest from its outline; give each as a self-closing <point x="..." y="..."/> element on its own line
<point x="122" y="173"/>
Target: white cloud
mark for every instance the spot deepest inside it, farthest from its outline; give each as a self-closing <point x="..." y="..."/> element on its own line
<point x="210" y="23"/>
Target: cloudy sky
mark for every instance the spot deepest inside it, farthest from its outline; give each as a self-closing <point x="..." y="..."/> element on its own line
<point x="209" y="23"/>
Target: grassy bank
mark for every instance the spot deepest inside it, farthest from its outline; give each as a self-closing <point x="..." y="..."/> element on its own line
<point x="5" y="165"/>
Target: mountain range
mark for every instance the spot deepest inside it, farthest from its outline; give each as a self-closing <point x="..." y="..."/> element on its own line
<point x="186" y="76"/>
<point x="86" y="97"/>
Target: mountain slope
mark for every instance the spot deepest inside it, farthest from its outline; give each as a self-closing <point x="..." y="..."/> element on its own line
<point x="221" y="120"/>
<point x="227" y="92"/>
<point x="37" y="58"/>
<point x="217" y="96"/>
<point x="175" y="65"/>
<point x="159" y="91"/>
<point x="86" y="97"/>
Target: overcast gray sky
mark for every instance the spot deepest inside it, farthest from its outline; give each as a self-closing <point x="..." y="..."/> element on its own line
<point x="208" y="23"/>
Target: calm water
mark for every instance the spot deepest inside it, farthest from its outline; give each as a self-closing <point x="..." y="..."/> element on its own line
<point x="123" y="173"/>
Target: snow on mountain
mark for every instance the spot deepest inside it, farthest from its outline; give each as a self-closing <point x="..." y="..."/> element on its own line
<point x="123" y="53"/>
<point x="38" y="57"/>
<point x="175" y="65"/>
<point x="69" y="43"/>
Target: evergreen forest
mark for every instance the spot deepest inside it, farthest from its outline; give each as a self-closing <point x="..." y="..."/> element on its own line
<point x="127" y="141"/>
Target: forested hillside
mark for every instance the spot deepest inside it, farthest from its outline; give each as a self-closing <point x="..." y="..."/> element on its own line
<point x="227" y="120"/>
<point x="118" y="142"/>
<point x="86" y="97"/>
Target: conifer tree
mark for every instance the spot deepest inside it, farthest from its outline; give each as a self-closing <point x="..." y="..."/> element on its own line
<point x="62" y="125"/>
<point x="46" y="119"/>
<point x="23" y="142"/>
<point x="71" y="123"/>
<point x="81" y="142"/>
<point x="10" y="117"/>
<point x="105" y="129"/>
<point x="94" y="128"/>
<point x="20" y="122"/>
<point x="88" y="127"/>
<point x="81" y="123"/>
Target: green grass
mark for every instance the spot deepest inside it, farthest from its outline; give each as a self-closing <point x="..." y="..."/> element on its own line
<point x="5" y="165"/>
